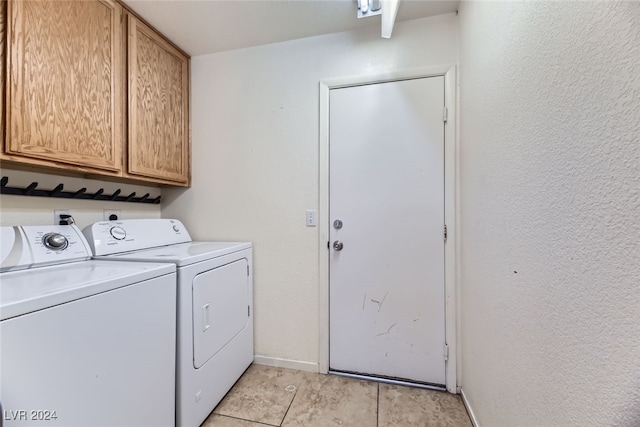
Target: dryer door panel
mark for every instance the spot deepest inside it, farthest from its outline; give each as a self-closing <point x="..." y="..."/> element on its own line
<point x="220" y="308"/>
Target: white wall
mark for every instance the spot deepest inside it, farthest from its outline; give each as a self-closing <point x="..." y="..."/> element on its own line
<point x="550" y="163"/>
<point x="255" y="137"/>
<point x="23" y="210"/>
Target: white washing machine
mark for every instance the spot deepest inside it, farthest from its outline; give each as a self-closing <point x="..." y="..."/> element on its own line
<point x="215" y="304"/>
<point x="83" y="342"/>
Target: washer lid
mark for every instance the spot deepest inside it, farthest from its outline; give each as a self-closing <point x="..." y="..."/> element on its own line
<point x="26" y="291"/>
<point x="184" y="253"/>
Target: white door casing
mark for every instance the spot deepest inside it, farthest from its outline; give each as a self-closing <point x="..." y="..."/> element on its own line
<point x="450" y="216"/>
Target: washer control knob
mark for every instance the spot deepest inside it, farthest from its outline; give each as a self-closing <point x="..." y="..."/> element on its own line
<point x="55" y="241"/>
<point x="175" y="228"/>
<point x="118" y="233"/>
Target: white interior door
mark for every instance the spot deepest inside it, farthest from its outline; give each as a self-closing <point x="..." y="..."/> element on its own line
<point x="386" y="186"/>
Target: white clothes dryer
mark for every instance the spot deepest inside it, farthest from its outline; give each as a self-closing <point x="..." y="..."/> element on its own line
<point x="215" y="304"/>
<point x="83" y="343"/>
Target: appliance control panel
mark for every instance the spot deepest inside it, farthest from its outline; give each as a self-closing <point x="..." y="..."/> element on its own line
<point x="34" y="245"/>
<point x="112" y="237"/>
<point x="13" y="249"/>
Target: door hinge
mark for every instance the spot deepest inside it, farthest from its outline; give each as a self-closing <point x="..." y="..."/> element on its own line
<point x="445" y="232"/>
<point x="446" y="352"/>
<point x="445" y="114"/>
<point x="247" y="271"/>
<point x="248" y="311"/>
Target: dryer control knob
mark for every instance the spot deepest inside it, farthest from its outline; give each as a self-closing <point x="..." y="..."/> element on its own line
<point x="118" y="233"/>
<point x="55" y="241"/>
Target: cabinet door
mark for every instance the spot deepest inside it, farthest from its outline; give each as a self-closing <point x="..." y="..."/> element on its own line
<point x="66" y="83"/>
<point x="158" y="107"/>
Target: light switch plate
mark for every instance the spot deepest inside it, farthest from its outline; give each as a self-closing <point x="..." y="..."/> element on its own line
<point x="312" y="218"/>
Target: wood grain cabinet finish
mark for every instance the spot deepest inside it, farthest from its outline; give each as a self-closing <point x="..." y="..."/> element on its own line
<point x="65" y="84"/>
<point x="72" y="81"/>
<point x="158" y="144"/>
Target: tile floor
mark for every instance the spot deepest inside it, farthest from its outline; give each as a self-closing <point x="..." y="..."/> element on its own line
<point x="283" y="397"/>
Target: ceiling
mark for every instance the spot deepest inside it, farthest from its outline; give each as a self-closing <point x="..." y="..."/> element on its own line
<point x="206" y="26"/>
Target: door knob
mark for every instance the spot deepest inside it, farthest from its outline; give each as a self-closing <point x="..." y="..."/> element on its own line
<point x="337" y="245"/>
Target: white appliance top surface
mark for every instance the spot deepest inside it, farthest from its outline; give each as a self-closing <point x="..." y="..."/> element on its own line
<point x="184" y="253"/>
<point x="30" y="290"/>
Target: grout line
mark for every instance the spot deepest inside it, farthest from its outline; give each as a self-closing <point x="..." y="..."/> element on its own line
<point x="291" y="403"/>
<point x="244" y="419"/>
<point x="378" y="405"/>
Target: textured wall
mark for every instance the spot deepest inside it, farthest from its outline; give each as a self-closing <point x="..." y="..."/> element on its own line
<point x="255" y="159"/>
<point x="550" y="167"/>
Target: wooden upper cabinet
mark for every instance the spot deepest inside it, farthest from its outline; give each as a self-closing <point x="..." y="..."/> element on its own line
<point x="158" y="107"/>
<point x="65" y="84"/>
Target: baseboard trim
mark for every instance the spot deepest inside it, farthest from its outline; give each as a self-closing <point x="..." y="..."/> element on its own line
<point x="285" y="363"/>
<point x="472" y="415"/>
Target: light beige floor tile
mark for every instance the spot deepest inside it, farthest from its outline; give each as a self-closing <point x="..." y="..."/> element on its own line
<point x="223" y="421"/>
<point x="328" y="400"/>
<point x="263" y="394"/>
<point x="410" y="406"/>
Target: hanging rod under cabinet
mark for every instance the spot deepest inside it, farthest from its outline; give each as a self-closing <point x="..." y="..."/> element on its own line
<point x="81" y="194"/>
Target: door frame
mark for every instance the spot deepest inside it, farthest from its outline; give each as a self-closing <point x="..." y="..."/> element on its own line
<point x="451" y="208"/>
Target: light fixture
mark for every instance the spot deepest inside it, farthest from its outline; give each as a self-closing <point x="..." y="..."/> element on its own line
<point x="387" y="8"/>
<point x="368" y="8"/>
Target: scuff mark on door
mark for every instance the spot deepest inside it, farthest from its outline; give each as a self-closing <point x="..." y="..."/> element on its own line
<point x="388" y="330"/>
<point x="382" y="302"/>
<point x="379" y="302"/>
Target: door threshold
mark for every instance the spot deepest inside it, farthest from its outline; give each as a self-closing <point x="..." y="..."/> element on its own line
<point x="394" y="381"/>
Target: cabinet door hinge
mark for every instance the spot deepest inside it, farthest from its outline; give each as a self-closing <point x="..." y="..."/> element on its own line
<point x="445" y="232"/>
<point x="446" y="352"/>
<point x="248" y="311"/>
<point x="445" y="114"/>
<point x="247" y="271"/>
